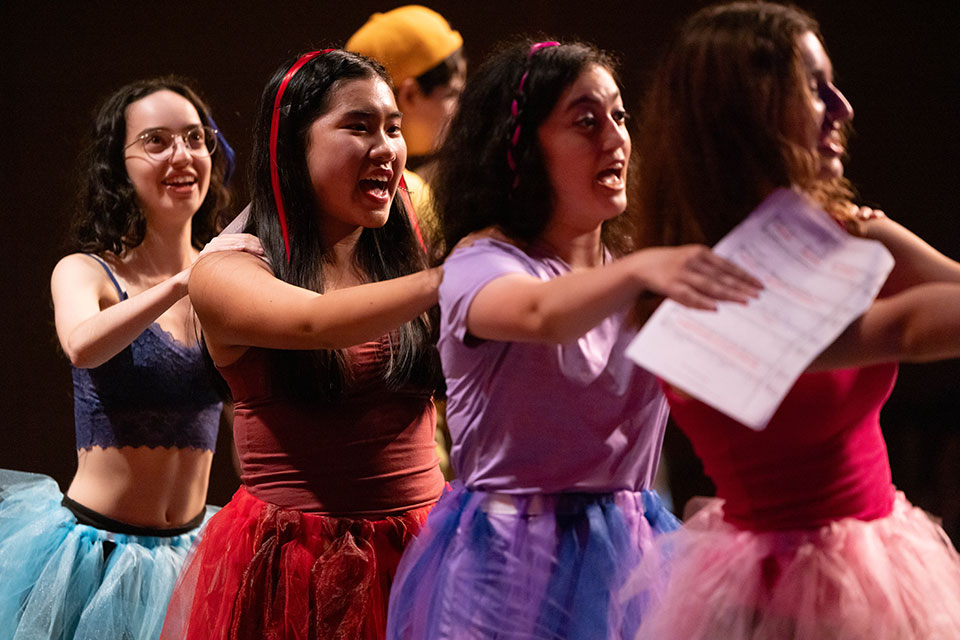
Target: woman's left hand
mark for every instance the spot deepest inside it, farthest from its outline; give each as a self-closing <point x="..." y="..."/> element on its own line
<point x="865" y="214"/>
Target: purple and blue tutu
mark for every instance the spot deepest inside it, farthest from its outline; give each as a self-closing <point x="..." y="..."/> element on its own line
<point x="62" y="579"/>
<point x="526" y="566"/>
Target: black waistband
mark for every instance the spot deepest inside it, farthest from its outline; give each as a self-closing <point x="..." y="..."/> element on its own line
<point x="88" y="516"/>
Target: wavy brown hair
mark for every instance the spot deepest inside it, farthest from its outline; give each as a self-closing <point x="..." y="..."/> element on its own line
<point x="108" y="217"/>
<point x="719" y="124"/>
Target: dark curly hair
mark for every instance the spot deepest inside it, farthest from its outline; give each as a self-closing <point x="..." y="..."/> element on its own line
<point x="475" y="187"/>
<point x="717" y="128"/>
<point x="381" y="254"/>
<point x="108" y="217"/>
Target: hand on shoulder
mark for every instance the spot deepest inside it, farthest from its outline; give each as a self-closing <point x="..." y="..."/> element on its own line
<point x="244" y="242"/>
<point x="865" y="214"/>
<point x="219" y="264"/>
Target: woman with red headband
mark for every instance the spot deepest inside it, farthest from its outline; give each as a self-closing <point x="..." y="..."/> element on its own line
<point x="556" y="435"/>
<point x="328" y="355"/>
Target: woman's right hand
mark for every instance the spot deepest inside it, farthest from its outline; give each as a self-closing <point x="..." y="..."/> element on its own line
<point x="244" y="242"/>
<point x="235" y="242"/>
<point x="519" y="307"/>
<point x="695" y="276"/>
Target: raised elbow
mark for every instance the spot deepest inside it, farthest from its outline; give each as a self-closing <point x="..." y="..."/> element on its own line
<point x="552" y="334"/>
<point x="918" y="343"/>
<point x="930" y="329"/>
<point x="317" y="332"/>
<point x="556" y="330"/>
<point x="85" y="353"/>
<point x="82" y="358"/>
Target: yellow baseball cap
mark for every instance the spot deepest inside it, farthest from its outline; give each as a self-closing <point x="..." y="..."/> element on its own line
<point x="408" y="40"/>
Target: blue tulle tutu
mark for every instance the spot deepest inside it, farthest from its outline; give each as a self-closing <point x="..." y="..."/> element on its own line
<point x="537" y="566"/>
<point x="55" y="581"/>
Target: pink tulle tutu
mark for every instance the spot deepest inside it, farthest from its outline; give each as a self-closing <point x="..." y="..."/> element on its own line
<point x="897" y="577"/>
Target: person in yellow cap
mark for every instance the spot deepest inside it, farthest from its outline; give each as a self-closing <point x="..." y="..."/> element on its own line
<point x="424" y="58"/>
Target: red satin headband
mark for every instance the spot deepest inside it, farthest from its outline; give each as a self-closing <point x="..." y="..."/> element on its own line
<point x="274" y="129"/>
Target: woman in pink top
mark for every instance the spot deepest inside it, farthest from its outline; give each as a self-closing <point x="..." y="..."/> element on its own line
<point x="327" y="351"/>
<point x="809" y="539"/>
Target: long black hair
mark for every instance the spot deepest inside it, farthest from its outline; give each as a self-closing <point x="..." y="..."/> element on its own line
<point x="108" y="217"/>
<point x="475" y="187"/>
<point x="383" y="253"/>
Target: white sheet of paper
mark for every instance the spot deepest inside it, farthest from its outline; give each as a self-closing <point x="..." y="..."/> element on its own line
<point x="237" y="224"/>
<point x="742" y="360"/>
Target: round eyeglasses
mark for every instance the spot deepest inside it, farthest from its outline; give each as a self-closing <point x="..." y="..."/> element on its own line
<point x="158" y="143"/>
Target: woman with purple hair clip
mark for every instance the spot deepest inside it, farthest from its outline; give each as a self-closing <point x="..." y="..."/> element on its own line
<point x="556" y="435"/>
<point x="101" y="561"/>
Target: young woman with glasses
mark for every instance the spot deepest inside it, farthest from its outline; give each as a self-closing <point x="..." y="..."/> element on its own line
<point x="100" y="561"/>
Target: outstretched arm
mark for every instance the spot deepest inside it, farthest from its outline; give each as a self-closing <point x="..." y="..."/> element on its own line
<point x="94" y="325"/>
<point x="916" y="261"/>
<point x="522" y="308"/>
<point x="920" y="324"/>
<point x="241" y="304"/>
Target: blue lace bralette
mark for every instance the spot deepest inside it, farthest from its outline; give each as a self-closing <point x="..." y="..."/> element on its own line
<point x="154" y="393"/>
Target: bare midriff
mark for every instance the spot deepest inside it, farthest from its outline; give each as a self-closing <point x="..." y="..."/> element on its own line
<point x="159" y="488"/>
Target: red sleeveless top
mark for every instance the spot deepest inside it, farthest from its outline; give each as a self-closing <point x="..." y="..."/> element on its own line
<point x="371" y="454"/>
<point x="821" y="458"/>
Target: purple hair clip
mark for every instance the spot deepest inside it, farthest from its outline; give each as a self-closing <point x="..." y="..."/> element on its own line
<point x="515" y="108"/>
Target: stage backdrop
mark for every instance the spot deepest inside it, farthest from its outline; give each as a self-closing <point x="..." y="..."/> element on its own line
<point x="896" y="62"/>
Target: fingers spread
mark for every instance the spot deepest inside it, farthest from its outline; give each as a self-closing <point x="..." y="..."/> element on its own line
<point x="690" y="297"/>
<point x="724" y="269"/>
<point x="720" y="278"/>
<point x="717" y="288"/>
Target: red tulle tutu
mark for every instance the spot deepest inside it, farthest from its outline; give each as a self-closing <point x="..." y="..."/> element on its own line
<point x="262" y="571"/>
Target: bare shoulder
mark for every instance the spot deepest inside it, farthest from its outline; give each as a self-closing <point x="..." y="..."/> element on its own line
<point x="227" y="264"/>
<point x="77" y="262"/>
<point x="78" y="270"/>
<point x="224" y="276"/>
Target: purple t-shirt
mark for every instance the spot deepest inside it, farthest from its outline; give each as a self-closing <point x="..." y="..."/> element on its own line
<point x="540" y="418"/>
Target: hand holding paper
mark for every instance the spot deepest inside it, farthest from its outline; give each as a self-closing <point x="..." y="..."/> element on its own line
<point x="742" y="360"/>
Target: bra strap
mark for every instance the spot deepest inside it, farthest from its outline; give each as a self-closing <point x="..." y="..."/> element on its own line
<point x="123" y="294"/>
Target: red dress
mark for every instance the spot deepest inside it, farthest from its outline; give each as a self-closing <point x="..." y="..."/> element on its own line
<point x="808" y="539"/>
<point x="331" y="495"/>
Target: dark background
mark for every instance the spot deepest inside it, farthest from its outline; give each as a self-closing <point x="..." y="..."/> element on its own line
<point x="896" y="62"/>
